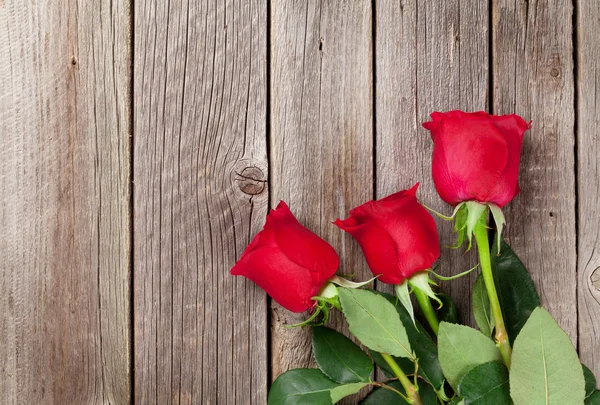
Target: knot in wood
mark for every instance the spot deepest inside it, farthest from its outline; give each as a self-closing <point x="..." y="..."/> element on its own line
<point x="251" y="180"/>
<point x="555" y="68"/>
<point x="595" y="278"/>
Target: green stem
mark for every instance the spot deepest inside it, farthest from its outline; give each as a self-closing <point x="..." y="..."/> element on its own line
<point x="412" y="392"/>
<point x="387" y="387"/>
<point x="483" y="247"/>
<point x="428" y="311"/>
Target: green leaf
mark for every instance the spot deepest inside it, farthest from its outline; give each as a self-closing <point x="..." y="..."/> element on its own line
<point x="423" y="346"/>
<point x="593" y="399"/>
<point x="516" y="291"/>
<point x="545" y="367"/>
<point x="342" y="391"/>
<point x="339" y="358"/>
<point x="457" y="401"/>
<point x="485" y="384"/>
<point x="375" y="322"/>
<point x="590" y="381"/>
<point x="308" y="386"/>
<point x="461" y="348"/>
<point x="481" y="307"/>
<point x="383" y="396"/>
<point x="447" y="313"/>
<point x="302" y="386"/>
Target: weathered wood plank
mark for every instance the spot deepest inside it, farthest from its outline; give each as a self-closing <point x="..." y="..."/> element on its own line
<point x="430" y="56"/>
<point x="588" y="179"/>
<point x="200" y="124"/>
<point x="533" y="77"/>
<point x="321" y="136"/>
<point x="64" y="202"/>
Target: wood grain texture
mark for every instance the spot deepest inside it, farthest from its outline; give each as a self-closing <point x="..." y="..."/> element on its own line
<point x="588" y="179"/>
<point x="430" y="56"/>
<point x="64" y="202"/>
<point x="200" y="171"/>
<point x="321" y="136"/>
<point x="533" y="77"/>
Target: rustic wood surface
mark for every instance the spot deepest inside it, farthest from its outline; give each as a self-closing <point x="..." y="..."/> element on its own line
<point x="64" y="209"/>
<point x="199" y="170"/>
<point x="113" y="298"/>
<point x="321" y="137"/>
<point x="533" y="77"/>
<point x="588" y="183"/>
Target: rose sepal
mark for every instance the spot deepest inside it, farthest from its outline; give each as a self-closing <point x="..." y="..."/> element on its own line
<point x="420" y="284"/>
<point x="343" y="282"/>
<point x="421" y="281"/>
<point x="466" y="215"/>
<point x="328" y="299"/>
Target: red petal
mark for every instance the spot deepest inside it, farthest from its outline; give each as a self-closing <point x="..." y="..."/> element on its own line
<point x="377" y="208"/>
<point x="443" y="180"/>
<point x="474" y="153"/>
<point x="416" y="237"/>
<point x="512" y="127"/>
<point x="302" y="246"/>
<point x="397" y="235"/>
<point x="379" y="250"/>
<point x="286" y="282"/>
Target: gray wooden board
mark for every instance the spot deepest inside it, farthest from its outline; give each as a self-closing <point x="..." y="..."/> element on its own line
<point x="321" y="137"/>
<point x="64" y="202"/>
<point x="430" y="56"/>
<point x="200" y="173"/>
<point x="533" y="77"/>
<point x="200" y="168"/>
<point x="588" y="176"/>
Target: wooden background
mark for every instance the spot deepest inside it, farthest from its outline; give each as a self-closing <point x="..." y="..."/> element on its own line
<point x="144" y="141"/>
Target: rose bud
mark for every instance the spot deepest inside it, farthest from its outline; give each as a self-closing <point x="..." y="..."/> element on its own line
<point x="476" y="164"/>
<point x="288" y="261"/>
<point x="476" y="156"/>
<point x="397" y="235"/>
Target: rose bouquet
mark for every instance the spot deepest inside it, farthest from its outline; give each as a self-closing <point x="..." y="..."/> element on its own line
<point x="519" y="355"/>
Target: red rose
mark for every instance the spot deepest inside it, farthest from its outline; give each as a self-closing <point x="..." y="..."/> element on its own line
<point x="288" y="261"/>
<point x="397" y="235"/>
<point x="476" y="156"/>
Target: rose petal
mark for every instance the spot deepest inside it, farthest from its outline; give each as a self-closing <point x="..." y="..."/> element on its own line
<point x="415" y="233"/>
<point x="512" y="127"/>
<point x="302" y="246"/>
<point x="379" y="249"/>
<point x="281" y="278"/>
<point x="475" y="152"/>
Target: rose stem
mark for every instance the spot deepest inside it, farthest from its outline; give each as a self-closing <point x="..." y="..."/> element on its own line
<point x="427" y="308"/>
<point x="412" y="392"/>
<point x="483" y="247"/>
